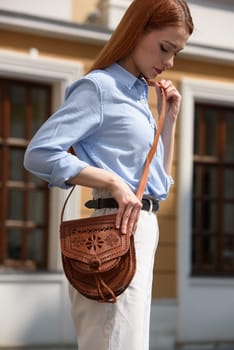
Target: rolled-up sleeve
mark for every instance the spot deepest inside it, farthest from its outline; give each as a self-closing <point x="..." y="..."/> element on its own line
<point x="47" y="154"/>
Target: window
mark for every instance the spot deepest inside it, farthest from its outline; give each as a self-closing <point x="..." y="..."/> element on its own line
<point x="24" y="209"/>
<point x="213" y="191"/>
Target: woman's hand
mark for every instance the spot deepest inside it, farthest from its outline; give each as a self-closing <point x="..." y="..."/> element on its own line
<point x="172" y="96"/>
<point x="129" y="204"/>
<point x="129" y="207"/>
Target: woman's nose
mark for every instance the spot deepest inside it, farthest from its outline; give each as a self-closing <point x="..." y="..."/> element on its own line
<point x="169" y="62"/>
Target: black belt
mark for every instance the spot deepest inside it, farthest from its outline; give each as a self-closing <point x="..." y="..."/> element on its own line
<point x="148" y="203"/>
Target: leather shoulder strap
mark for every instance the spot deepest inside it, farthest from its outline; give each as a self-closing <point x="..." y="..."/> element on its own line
<point x="145" y="173"/>
<point x="65" y="203"/>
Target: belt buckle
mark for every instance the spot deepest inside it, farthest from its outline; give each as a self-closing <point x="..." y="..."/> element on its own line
<point x="151" y="204"/>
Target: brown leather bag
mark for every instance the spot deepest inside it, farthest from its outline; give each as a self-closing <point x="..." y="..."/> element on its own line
<point x="98" y="260"/>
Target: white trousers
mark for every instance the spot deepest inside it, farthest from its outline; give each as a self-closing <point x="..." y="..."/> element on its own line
<point x="125" y="324"/>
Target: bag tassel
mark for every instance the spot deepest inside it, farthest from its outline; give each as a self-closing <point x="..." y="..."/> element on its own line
<point x="100" y="284"/>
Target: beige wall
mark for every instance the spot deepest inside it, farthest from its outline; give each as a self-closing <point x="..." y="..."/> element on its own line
<point x="82" y="8"/>
<point x="57" y="48"/>
<point x="165" y="266"/>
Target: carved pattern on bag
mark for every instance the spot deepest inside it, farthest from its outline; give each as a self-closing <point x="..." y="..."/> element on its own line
<point x="94" y="241"/>
<point x="111" y="240"/>
<point x="76" y="230"/>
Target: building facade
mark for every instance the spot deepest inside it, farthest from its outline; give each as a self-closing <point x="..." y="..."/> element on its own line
<point x="42" y="50"/>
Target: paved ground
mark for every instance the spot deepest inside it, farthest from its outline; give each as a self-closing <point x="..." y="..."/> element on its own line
<point x="187" y="347"/>
<point x="207" y="347"/>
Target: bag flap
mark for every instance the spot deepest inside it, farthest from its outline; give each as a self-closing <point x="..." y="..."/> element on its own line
<point x="93" y="238"/>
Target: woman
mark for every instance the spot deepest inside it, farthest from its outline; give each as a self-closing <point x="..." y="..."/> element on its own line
<point x="107" y="121"/>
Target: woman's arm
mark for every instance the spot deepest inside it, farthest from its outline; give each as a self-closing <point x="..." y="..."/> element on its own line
<point x="168" y="138"/>
<point x="46" y="155"/>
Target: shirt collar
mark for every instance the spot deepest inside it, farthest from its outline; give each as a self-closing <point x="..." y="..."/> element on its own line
<point x="124" y="76"/>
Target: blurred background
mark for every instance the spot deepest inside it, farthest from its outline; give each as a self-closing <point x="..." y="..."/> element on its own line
<point x="45" y="46"/>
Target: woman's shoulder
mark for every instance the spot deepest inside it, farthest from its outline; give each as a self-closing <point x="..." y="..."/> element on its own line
<point x="97" y="81"/>
<point x="102" y="77"/>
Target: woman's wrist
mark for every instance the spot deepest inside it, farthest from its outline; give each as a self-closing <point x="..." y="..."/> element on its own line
<point x="96" y="178"/>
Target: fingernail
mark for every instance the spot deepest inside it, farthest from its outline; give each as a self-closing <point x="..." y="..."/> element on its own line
<point x="123" y="231"/>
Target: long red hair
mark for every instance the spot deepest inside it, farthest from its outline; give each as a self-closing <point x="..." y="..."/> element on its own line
<point x="141" y="17"/>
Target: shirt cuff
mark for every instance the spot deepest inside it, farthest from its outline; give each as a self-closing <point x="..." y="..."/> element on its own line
<point x="65" y="169"/>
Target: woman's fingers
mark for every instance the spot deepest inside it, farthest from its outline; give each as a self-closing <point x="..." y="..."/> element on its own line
<point x="132" y="223"/>
<point x="127" y="217"/>
<point x="129" y="207"/>
<point x="172" y="95"/>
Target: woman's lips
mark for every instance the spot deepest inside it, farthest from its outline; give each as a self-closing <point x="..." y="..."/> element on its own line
<point x="159" y="71"/>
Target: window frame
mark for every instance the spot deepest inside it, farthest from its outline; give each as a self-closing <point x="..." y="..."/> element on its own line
<point x="203" y="162"/>
<point x="59" y="73"/>
<point x="25" y="185"/>
<point x="204" y="91"/>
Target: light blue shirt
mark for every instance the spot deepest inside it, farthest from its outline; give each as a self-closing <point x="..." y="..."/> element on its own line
<point x="106" y="119"/>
